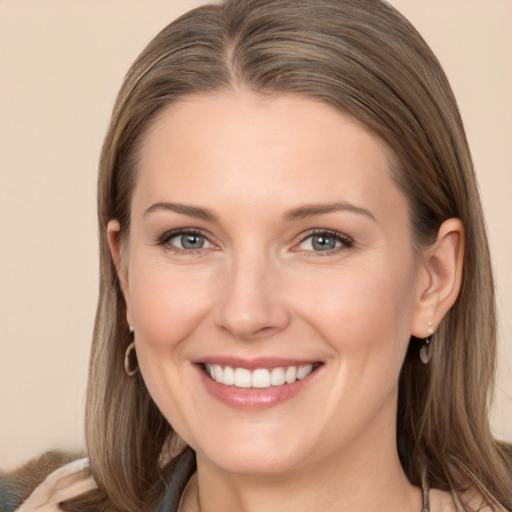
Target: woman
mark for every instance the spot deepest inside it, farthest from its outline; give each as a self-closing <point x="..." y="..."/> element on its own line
<point x="293" y="256"/>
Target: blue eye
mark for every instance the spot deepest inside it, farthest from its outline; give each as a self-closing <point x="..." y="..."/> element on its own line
<point x="325" y="241"/>
<point x="184" y="240"/>
<point x="188" y="241"/>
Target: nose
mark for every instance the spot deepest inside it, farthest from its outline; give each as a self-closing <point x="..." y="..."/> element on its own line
<point x="253" y="305"/>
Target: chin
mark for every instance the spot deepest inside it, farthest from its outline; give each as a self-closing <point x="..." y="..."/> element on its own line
<point x="251" y="461"/>
<point x="246" y="451"/>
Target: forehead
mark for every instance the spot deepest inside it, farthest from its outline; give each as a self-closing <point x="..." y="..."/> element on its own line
<point x="226" y="146"/>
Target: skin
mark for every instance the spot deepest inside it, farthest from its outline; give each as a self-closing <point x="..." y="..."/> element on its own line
<point x="258" y="288"/>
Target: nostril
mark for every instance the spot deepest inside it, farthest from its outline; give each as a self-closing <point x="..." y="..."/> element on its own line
<point x="247" y="332"/>
<point x="264" y="330"/>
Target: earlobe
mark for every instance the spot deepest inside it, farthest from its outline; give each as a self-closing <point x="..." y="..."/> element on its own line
<point x="442" y="274"/>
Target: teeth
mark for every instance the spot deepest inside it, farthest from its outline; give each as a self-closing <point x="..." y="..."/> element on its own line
<point x="242" y="377"/>
<point x="259" y="378"/>
<point x="304" y="371"/>
<point x="217" y="373"/>
<point x="228" y="376"/>
<point x="290" y="374"/>
<point x="277" y="377"/>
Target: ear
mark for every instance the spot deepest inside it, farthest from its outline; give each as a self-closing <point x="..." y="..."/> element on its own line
<point x="440" y="278"/>
<point x="114" y="243"/>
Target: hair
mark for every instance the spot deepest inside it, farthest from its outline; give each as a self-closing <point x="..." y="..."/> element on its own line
<point x="365" y="59"/>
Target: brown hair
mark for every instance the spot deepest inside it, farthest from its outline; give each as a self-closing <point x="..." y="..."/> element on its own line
<point x="364" y="58"/>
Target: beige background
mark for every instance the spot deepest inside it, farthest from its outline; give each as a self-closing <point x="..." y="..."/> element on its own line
<point x="61" y="63"/>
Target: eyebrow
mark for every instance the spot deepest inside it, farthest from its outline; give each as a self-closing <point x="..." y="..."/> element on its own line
<point x="315" y="210"/>
<point x="190" y="211"/>
<point x="299" y="213"/>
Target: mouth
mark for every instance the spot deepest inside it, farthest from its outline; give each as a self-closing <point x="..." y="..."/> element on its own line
<point x="256" y="384"/>
<point x="257" y="378"/>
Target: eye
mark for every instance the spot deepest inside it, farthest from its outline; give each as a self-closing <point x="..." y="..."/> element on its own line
<point x="325" y="241"/>
<point x="185" y="240"/>
<point x="188" y="241"/>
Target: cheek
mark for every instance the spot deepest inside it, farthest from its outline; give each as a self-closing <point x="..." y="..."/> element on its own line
<point x="363" y="312"/>
<point x="364" y="315"/>
<point x="166" y="302"/>
<point x="359" y="299"/>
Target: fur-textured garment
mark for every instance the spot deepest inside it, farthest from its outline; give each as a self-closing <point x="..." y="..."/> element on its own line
<point x="44" y="482"/>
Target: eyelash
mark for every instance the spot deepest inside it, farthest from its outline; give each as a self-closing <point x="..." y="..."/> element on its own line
<point x="346" y="241"/>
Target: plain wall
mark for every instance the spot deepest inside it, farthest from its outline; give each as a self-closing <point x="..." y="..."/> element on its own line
<point x="61" y="64"/>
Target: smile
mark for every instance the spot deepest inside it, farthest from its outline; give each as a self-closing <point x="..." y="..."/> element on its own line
<point x="256" y="384"/>
<point x="259" y="378"/>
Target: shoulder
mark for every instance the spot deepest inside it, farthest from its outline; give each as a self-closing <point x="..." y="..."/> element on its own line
<point x="68" y="481"/>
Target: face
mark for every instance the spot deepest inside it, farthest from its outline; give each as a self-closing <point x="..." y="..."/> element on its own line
<point x="271" y="280"/>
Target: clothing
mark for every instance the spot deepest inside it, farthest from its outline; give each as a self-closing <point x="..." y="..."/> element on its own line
<point x="74" y="479"/>
<point x="179" y="472"/>
<point x="68" y="481"/>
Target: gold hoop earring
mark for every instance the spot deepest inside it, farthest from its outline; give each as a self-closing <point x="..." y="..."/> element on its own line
<point x="131" y="347"/>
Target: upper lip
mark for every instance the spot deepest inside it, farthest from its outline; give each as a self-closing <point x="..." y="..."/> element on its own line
<point x="252" y="364"/>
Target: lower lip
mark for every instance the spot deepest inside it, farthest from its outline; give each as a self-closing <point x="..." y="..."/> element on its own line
<point x="255" y="399"/>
